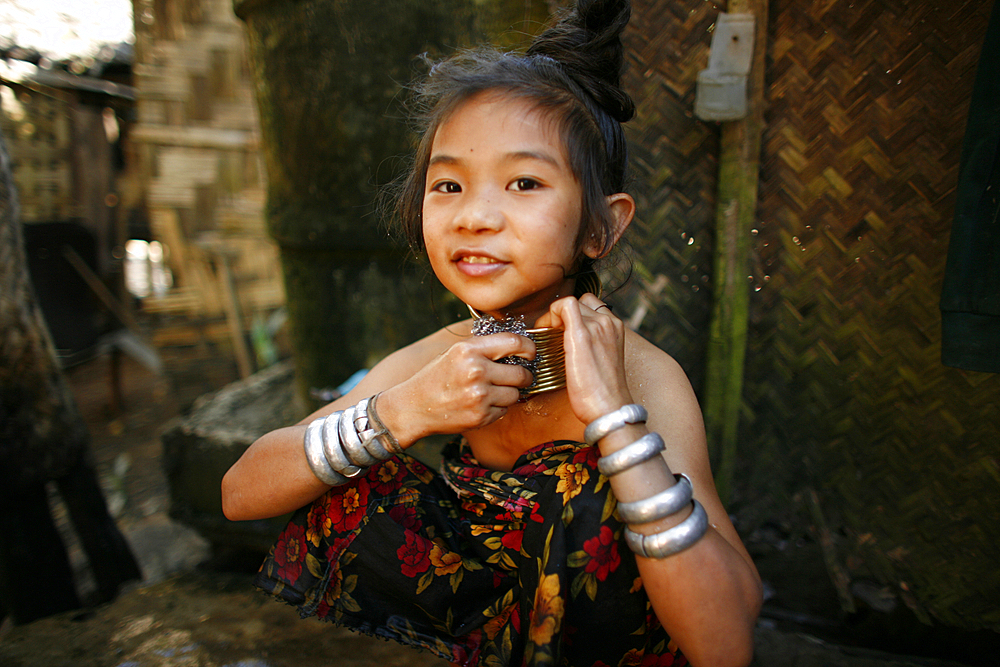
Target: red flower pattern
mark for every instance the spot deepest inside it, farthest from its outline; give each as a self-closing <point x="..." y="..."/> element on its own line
<point x="516" y="505"/>
<point x="512" y="539"/>
<point x="405" y="516"/>
<point x="289" y="552"/>
<point x="348" y="506"/>
<point x="414" y="555"/>
<point x="385" y="478"/>
<point x="318" y="522"/>
<point x="493" y="513"/>
<point x="587" y="456"/>
<point x="603" y="552"/>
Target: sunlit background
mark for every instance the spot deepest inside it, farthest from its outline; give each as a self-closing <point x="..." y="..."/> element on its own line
<point x="61" y="29"/>
<point x="86" y="33"/>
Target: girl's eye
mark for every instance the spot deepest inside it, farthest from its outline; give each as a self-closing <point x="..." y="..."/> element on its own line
<point x="449" y="187"/>
<point x="525" y="184"/>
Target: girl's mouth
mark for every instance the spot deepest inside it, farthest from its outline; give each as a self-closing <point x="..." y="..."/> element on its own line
<point x="478" y="265"/>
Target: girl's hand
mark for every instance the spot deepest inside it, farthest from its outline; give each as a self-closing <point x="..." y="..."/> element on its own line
<point x="462" y="389"/>
<point x="595" y="355"/>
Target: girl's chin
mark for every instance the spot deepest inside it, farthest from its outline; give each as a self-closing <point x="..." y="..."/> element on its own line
<point x="530" y="307"/>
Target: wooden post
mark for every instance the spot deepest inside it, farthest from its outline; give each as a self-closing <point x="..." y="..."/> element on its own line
<point x="739" y="166"/>
<point x="234" y="314"/>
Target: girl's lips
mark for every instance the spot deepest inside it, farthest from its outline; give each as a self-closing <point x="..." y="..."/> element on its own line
<point x="478" y="265"/>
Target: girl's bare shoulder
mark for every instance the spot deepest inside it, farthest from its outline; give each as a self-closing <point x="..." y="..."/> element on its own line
<point x="406" y="361"/>
<point x="643" y="357"/>
<point x="654" y="377"/>
<point x="659" y="383"/>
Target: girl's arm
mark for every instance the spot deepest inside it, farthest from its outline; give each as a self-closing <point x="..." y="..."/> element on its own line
<point x="708" y="596"/>
<point x="441" y="384"/>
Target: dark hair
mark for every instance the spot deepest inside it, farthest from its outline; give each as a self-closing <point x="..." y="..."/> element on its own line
<point x="572" y="72"/>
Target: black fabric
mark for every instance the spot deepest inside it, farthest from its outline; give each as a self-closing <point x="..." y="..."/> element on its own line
<point x="970" y="296"/>
<point x="481" y="567"/>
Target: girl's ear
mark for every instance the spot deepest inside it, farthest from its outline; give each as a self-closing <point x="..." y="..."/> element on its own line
<point x="622" y="210"/>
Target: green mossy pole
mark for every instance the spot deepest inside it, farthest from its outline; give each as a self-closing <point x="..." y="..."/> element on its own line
<point x="739" y="166"/>
<point x="328" y="78"/>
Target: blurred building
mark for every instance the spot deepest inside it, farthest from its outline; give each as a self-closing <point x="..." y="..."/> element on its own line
<point x="145" y="161"/>
<point x="195" y="154"/>
<point x="64" y="124"/>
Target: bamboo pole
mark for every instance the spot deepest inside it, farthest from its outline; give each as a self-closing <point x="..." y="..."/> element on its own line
<point x="234" y="314"/>
<point x="739" y="166"/>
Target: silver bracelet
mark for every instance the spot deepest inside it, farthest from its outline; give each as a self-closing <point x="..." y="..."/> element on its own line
<point x="342" y="445"/>
<point x="384" y="436"/>
<point x="334" y="449"/>
<point x="661" y="505"/>
<point x="600" y="427"/>
<point x="315" y="456"/>
<point x="369" y="437"/>
<point x="672" y="540"/>
<point x="361" y="416"/>
<point x="351" y="442"/>
<point x="631" y="455"/>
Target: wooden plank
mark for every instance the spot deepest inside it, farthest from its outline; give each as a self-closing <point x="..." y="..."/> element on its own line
<point x="186" y="260"/>
<point x="190" y="334"/>
<point x="736" y="208"/>
<point x="177" y="301"/>
<point x="197" y="137"/>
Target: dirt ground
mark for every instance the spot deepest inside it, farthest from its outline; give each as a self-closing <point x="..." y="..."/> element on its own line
<point x="198" y="609"/>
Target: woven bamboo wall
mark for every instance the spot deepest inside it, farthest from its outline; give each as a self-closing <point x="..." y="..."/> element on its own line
<point x="197" y="146"/>
<point x="62" y="160"/>
<point x="39" y="131"/>
<point x="845" y="391"/>
<point x="673" y="157"/>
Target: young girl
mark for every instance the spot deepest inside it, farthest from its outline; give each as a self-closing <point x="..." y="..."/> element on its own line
<point x="557" y="530"/>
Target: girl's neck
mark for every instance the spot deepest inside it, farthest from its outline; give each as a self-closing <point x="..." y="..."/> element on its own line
<point x="543" y="418"/>
<point x="529" y="313"/>
<point x="532" y="309"/>
<point x="548" y="367"/>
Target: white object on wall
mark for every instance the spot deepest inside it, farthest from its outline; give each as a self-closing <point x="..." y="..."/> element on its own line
<point x="721" y="93"/>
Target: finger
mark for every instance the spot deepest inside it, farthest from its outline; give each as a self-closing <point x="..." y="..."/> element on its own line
<point x="499" y="345"/>
<point x="505" y="397"/>
<point x="595" y="304"/>
<point x="586" y="326"/>
<point x="554" y="317"/>
<point x="511" y="375"/>
<point x="567" y="312"/>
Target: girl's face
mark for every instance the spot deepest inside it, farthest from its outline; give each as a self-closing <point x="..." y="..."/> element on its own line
<point x="501" y="209"/>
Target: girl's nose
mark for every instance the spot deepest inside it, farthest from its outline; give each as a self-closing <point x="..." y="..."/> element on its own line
<point x="480" y="214"/>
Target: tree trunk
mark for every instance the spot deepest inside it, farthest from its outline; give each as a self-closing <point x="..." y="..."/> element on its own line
<point x="42" y="439"/>
<point x="328" y="79"/>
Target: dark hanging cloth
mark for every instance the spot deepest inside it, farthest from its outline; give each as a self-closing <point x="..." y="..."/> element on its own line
<point x="481" y="567"/>
<point x="970" y="297"/>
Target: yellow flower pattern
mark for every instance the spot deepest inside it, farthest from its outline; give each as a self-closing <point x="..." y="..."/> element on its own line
<point x="547" y="616"/>
<point x="572" y="479"/>
<point x="480" y="567"/>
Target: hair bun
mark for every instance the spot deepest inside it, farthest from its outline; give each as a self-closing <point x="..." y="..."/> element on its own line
<point x="598" y="16"/>
<point x="586" y="41"/>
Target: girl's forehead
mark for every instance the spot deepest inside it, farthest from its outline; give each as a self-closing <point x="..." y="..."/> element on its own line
<point x="494" y="113"/>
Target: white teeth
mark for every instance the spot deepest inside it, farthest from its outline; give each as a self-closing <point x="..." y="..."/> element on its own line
<point x="479" y="260"/>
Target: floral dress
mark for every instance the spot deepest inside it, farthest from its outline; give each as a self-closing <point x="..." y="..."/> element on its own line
<point x="480" y="567"/>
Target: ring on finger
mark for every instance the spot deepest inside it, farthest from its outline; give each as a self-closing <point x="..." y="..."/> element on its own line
<point x="604" y="305"/>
